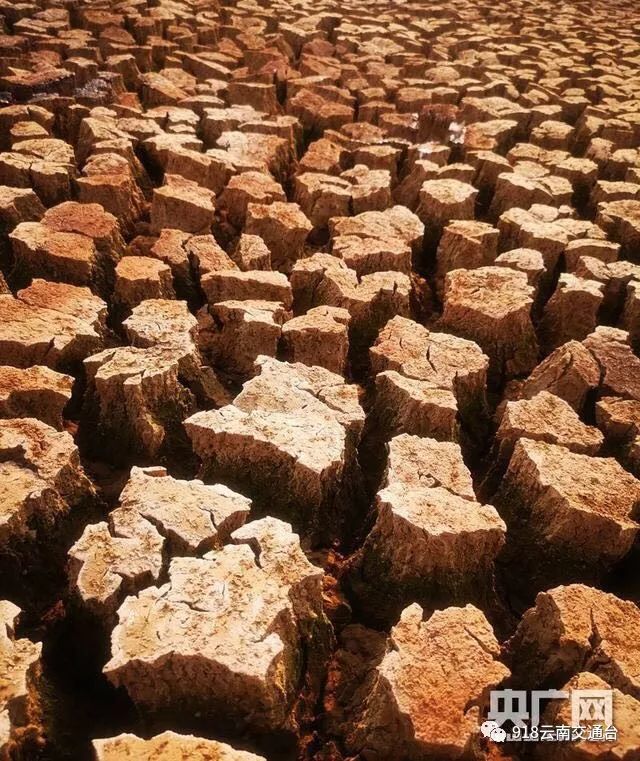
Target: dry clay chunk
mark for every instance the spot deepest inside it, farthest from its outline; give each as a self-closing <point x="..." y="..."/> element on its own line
<point x="139" y="278"/>
<point x="136" y="396"/>
<point x="42" y="477"/>
<point x="168" y="746"/>
<point x="112" y="559"/>
<point x="545" y="417"/>
<point x="492" y="306"/>
<point x="182" y="204"/>
<point x="626" y="719"/>
<point x="19" y="677"/>
<point x="291" y="424"/>
<point x="395" y="223"/>
<point x="319" y="337"/>
<point x="571" y="372"/>
<point x="425" y="379"/>
<point x="245" y="330"/>
<point x="442" y="201"/>
<point x="187" y="645"/>
<point x="465" y="244"/>
<point x="75" y="243"/>
<point x="34" y="392"/>
<point x="619" y="420"/>
<point x="52" y="324"/>
<point x="575" y="510"/>
<point x="371" y="301"/>
<point x="426" y="696"/>
<point x="124" y="555"/>
<point x="284" y="229"/>
<point x="191" y="516"/>
<point x="431" y="538"/>
<point x="619" y="366"/>
<point x="156" y="322"/>
<point x="579" y="628"/>
<point x="168" y="324"/>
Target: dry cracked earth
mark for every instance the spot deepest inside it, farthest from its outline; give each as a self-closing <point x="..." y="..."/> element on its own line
<point x="319" y="376"/>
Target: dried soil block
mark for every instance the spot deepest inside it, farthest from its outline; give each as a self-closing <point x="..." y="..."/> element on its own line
<point x="571" y="372"/>
<point x="499" y="320"/>
<point x="52" y="324"/>
<point x="90" y="220"/>
<point x="191" y="516"/>
<point x="183" y="204"/>
<point x="211" y="170"/>
<point x="260" y="96"/>
<point x="136" y="400"/>
<point x="66" y="257"/>
<point x="317" y="114"/>
<point x="370" y="188"/>
<point x="407" y="193"/>
<point x="157" y="514"/>
<point x="20" y="701"/>
<point x="185" y="646"/>
<point x="322" y="197"/>
<point x="371" y="300"/>
<point x="545" y="417"/>
<point x="396" y="223"/>
<point x="114" y="559"/>
<point x="578" y="628"/>
<point x="34" y="392"/>
<point x="544" y="229"/>
<point x="406" y="405"/>
<point x="496" y="135"/>
<point x="432" y="541"/>
<point x="614" y="276"/>
<point x="235" y="285"/>
<point x="215" y="121"/>
<point x="19" y="205"/>
<point x="169" y="324"/>
<point x="426" y="696"/>
<point x="465" y="245"/>
<point x="437" y="374"/>
<point x="139" y="278"/>
<point x="626" y="712"/>
<point x="552" y="135"/>
<point x="369" y="255"/>
<point x="570" y="516"/>
<point x="619" y="366"/>
<point x="172" y="247"/>
<point x="619" y="420"/>
<point x="42" y="479"/>
<point x="251" y="253"/>
<point x="246" y="188"/>
<point x="528" y="184"/>
<point x="525" y="260"/>
<point x="323" y="156"/>
<point x="283" y="228"/>
<point x="442" y="201"/>
<point x="156" y="322"/>
<point x="255" y="152"/>
<point x="75" y="243"/>
<point x="168" y="746"/>
<point x="621" y="221"/>
<point x="244" y="331"/>
<point x="571" y="313"/>
<point x="205" y="255"/>
<point x="319" y="337"/>
<point x="291" y="424"/>
<point x="46" y="165"/>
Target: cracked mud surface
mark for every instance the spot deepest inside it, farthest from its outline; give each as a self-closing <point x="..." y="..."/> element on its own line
<point x="319" y="376"/>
